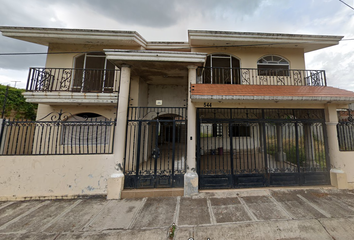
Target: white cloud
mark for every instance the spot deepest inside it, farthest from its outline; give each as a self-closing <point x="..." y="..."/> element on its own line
<point x="14" y="77"/>
<point x="161" y="20"/>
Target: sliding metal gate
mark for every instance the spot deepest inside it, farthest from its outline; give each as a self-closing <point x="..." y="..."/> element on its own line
<point x="155" y="148"/>
<point x="261" y="147"/>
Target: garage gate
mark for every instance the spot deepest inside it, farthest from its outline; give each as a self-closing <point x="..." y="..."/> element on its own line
<point x="239" y="148"/>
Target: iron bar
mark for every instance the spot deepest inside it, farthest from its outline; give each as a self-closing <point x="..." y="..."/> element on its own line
<point x="72" y="80"/>
<point x="23" y="137"/>
<point x="263" y="147"/>
<point x="254" y="76"/>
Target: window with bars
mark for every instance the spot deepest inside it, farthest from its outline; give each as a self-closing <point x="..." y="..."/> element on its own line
<point x="273" y="66"/>
<point x="86" y="129"/>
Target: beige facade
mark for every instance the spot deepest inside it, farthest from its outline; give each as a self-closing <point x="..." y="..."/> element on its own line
<point x="157" y="75"/>
<point x="40" y="177"/>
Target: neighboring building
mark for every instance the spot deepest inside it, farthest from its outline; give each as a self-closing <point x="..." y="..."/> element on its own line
<point x="223" y="110"/>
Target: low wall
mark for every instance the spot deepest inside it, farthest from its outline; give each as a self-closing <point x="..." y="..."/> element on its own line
<point x="54" y="176"/>
<point x="345" y="161"/>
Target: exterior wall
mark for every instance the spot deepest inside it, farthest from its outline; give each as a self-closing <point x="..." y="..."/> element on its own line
<point x="143" y="94"/>
<point x="26" y="177"/>
<point x="261" y="104"/>
<point x="340" y="160"/>
<point x="67" y="60"/>
<point x="106" y="111"/>
<point x="249" y="56"/>
<point x="171" y="95"/>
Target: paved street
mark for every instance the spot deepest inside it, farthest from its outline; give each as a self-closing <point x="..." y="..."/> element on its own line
<point x="319" y="213"/>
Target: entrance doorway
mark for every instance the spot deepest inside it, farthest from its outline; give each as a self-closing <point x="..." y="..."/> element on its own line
<point x="156" y="148"/>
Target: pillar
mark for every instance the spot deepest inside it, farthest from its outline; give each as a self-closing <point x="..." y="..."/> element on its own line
<point x="337" y="175"/>
<point x="191" y="176"/>
<point x="115" y="182"/>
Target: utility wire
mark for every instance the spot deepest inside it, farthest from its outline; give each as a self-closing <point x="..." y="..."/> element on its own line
<point x="346" y="4"/>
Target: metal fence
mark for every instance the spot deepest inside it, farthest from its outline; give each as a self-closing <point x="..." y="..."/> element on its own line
<point x="261" y="147"/>
<point x="22" y="137"/>
<point x="73" y="80"/>
<point x="254" y="76"/>
<point x="156" y="147"/>
<point x="345" y="130"/>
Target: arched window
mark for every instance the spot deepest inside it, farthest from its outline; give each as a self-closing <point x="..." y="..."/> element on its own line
<point x="93" y="73"/>
<point x="273" y="66"/>
<point x="86" y="129"/>
<point x="221" y="69"/>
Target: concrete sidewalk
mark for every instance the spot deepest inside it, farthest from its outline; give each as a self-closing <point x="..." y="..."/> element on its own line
<point x="319" y="213"/>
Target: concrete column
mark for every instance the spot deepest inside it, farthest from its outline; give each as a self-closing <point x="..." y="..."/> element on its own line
<point x="191" y="176"/>
<point x="115" y="183"/>
<point x="338" y="176"/>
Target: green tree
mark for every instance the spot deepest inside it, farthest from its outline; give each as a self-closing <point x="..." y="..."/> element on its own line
<point x="16" y="105"/>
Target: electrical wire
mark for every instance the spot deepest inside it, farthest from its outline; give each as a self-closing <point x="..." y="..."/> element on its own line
<point x="346" y="4"/>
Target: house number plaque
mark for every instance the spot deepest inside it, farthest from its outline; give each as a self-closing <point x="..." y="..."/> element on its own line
<point x="207" y="104"/>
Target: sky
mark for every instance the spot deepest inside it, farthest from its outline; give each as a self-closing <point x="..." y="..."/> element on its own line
<point x="169" y="20"/>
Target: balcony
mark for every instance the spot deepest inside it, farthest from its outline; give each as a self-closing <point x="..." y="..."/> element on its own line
<point x="72" y="86"/>
<point x="261" y="76"/>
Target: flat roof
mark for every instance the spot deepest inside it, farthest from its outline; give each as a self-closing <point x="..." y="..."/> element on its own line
<point x="256" y="39"/>
<point x="196" y="38"/>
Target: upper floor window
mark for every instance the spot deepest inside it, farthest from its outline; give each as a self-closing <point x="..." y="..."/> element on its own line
<point x="221" y="69"/>
<point x="93" y="73"/>
<point x="273" y="66"/>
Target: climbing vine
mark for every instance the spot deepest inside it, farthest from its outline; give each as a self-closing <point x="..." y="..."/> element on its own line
<point x="16" y="105"/>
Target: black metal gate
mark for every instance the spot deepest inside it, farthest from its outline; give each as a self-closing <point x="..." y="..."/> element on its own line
<point x="261" y="147"/>
<point x="156" y="147"/>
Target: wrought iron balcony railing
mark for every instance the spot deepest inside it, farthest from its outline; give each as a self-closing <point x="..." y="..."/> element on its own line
<point x="264" y="76"/>
<point x="73" y="80"/>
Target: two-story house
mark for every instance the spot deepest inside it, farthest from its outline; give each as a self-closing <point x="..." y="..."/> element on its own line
<point x="223" y="110"/>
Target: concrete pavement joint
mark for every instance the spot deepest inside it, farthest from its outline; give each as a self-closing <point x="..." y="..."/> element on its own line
<point x="211" y="213"/>
<point x="6" y="205"/>
<point x="176" y="215"/>
<point x="23" y="214"/>
<point x="68" y="209"/>
<point x="135" y="218"/>
<point x="56" y="236"/>
<point x="325" y="229"/>
<point x="289" y="215"/>
<point x="247" y="209"/>
<point x="94" y="217"/>
<point x="314" y="206"/>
